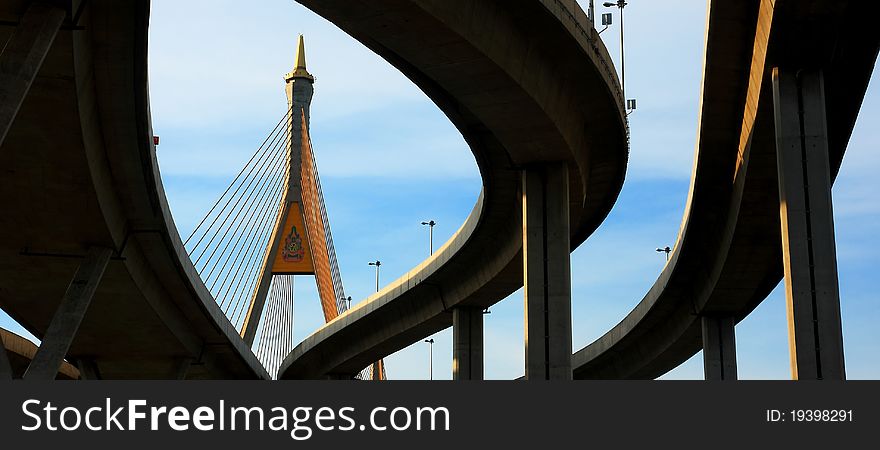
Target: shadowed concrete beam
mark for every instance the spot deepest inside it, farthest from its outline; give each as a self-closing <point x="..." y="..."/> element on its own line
<point x="68" y="317"/>
<point x="809" y="255"/>
<point x="23" y="56"/>
<point x="547" y="272"/>
<point x="467" y="343"/>
<point x="719" y="348"/>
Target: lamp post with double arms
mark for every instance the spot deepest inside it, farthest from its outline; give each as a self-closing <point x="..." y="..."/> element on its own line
<point x="620" y="4"/>
<point x="630" y="104"/>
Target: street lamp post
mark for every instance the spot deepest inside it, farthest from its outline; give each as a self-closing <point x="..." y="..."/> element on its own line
<point x="346" y="301"/>
<point x="430" y="225"/>
<point x="376" y="263"/>
<point x="620" y="4"/>
<point x="666" y="250"/>
<point x="430" y="358"/>
<point x="377" y="367"/>
<point x="593" y="13"/>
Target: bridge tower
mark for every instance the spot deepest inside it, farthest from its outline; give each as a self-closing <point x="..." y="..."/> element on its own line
<point x="300" y="242"/>
<point x="289" y="231"/>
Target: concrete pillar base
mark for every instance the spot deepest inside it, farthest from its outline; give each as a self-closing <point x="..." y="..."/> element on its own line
<point x="467" y="343"/>
<point x="547" y="272"/>
<point x="68" y="317"/>
<point x="719" y="348"/>
<point x="809" y="254"/>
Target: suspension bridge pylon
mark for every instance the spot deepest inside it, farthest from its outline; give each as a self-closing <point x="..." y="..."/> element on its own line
<point x="300" y="242"/>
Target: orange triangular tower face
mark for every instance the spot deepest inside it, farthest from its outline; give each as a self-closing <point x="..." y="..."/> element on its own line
<point x="294" y="255"/>
<point x="317" y="229"/>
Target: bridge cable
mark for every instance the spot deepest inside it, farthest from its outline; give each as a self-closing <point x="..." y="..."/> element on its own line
<point x="258" y="163"/>
<point x="194" y="231"/>
<point x="266" y="192"/>
<point x="263" y="163"/>
<point x="240" y="225"/>
<point x="249" y="254"/>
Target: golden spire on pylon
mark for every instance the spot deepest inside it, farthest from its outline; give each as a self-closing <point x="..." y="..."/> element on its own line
<point x="299" y="70"/>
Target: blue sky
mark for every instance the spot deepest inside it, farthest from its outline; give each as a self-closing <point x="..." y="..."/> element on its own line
<point x="390" y="159"/>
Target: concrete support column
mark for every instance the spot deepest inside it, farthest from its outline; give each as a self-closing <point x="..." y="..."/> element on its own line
<point x="808" y="249"/>
<point x="719" y="348"/>
<point x="467" y="343"/>
<point x="88" y="369"/>
<point x="23" y="56"/>
<point x="547" y="272"/>
<point x="181" y="368"/>
<point x="377" y="370"/>
<point x="5" y="366"/>
<point x="68" y="317"/>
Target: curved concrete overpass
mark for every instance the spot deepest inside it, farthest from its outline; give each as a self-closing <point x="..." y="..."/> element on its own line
<point x="526" y="83"/>
<point x="20" y="352"/>
<point x="79" y="172"/>
<point x="728" y="256"/>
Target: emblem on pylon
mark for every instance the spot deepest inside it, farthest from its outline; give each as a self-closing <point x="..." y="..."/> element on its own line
<point x="293" y="247"/>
